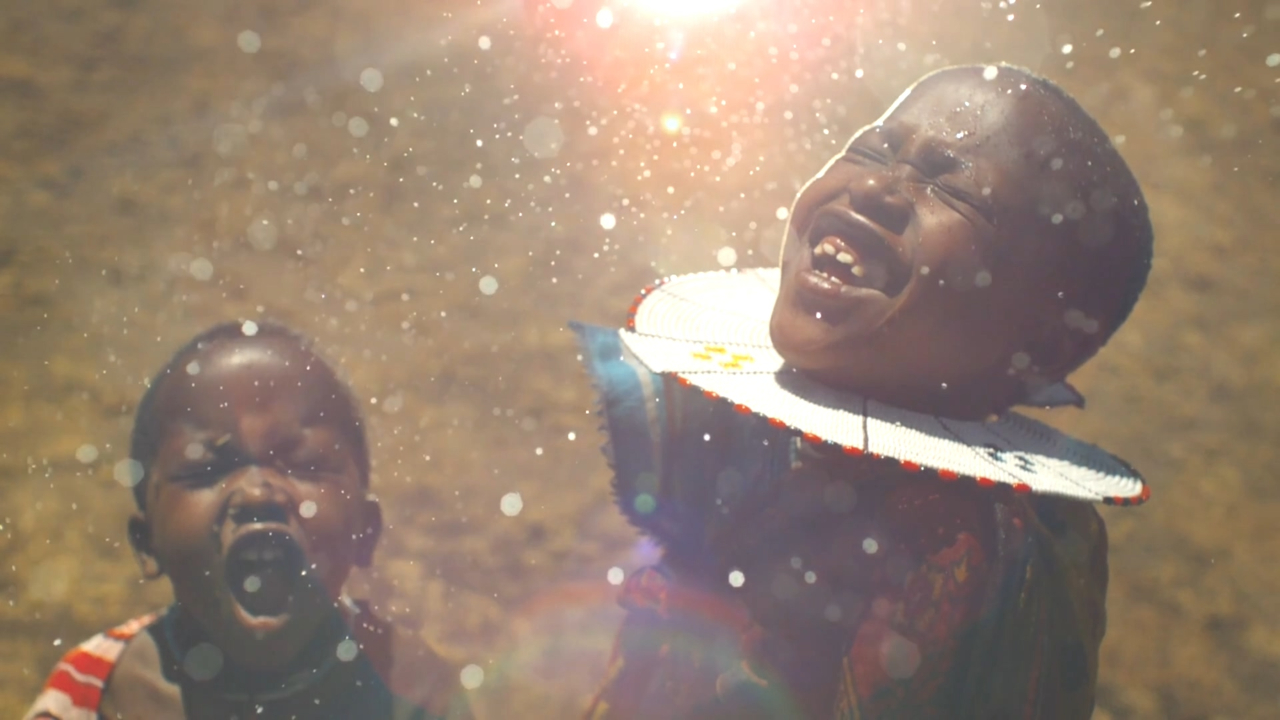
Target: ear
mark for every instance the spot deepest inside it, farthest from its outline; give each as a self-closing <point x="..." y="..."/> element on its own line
<point x="370" y="533"/>
<point x="140" y="540"/>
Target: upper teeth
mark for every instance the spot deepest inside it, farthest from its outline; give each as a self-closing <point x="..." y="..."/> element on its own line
<point x="268" y="554"/>
<point x="844" y="257"/>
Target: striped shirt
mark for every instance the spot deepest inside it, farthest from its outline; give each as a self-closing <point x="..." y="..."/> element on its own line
<point x="75" y="687"/>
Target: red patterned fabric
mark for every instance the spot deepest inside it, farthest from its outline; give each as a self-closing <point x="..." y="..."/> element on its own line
<point x="74" y="688"/>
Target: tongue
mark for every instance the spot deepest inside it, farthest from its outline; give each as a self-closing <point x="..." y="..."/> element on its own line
<point x="266" y="590"/>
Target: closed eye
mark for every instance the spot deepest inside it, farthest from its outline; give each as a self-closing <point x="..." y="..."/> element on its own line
<point x="311" y="463"/>
<point x="857" y="152"/>
<point x="202" y="474"/>
<point x="969" y="199"/>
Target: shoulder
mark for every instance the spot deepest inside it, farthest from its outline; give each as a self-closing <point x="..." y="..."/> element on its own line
<point x="413" y="671"/>
<point x="77" y="683"/>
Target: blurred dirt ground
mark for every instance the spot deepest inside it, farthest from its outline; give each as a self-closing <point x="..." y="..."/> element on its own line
<point x="156" y="178"/>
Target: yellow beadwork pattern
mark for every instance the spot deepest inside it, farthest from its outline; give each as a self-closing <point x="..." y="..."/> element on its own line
<point x="722" y="357"/>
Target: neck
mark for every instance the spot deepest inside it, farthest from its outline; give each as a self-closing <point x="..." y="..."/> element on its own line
<point x="968" y="399"/>
<point x="201" y="666"/>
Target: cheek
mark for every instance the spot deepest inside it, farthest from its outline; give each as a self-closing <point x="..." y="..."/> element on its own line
<point x="182" y="525"/>
<point x="330" y="517"/>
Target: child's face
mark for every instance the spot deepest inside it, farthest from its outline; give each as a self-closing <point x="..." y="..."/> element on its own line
<point x="255" y="508"/>
<point x="919" y="265"/>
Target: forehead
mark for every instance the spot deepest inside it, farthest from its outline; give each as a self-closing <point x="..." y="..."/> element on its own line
<point x="1007" y="118"/>
<point x="267" y="377"/>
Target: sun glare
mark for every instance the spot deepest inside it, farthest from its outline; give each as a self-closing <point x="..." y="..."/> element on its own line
<point x="685" y="8"/>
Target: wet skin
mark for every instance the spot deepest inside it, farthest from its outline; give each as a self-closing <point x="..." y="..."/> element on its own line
<point x="940" y="220"/>
<point x="257" y="440"/>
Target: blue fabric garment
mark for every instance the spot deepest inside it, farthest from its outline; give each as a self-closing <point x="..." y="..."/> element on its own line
<point x="682" y="462"/>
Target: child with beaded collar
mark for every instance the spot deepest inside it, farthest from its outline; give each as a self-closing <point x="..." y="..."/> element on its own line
<point x="253" y="499"/>
<point x="854" y="523"/>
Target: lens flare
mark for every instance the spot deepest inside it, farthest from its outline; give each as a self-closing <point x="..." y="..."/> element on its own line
<point x="672" y="123"/>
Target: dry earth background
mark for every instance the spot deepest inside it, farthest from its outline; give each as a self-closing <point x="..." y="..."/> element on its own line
<point x="155" y="178"/>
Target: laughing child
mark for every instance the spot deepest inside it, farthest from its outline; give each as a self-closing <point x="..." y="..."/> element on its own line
<point x="854" y="522"/>
<point x="254" y="500"/>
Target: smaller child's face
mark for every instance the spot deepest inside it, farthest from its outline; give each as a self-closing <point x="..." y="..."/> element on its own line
<point x="917" y="261"/>
<point x="256" y="509"/>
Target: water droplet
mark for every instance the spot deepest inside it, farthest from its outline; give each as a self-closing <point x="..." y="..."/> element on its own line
<point x="485" y="43"/>
<point x="347" y="650"/>
<point x="839" y="497"/>
<point x="1066" y="49"/>
<point x="358" y="127"/>
<point x="543" y="138"/>
<point x="511" y="504"/>
<point x="371" y="79"/>
<point x="201" y="269"/>
<point x="202" y="662"/>
<point x="727" y="256"/>
<point x="990" y="72"/>
<point x="307" y="508"/>
<point x="782" y="213"/>
<point x="249" y="41"/>
<point x="87" y="453"/>
<point x="1273" y="60"/>
<point x="262" y="234"/>
<point x="252" y="584"/>
<point x="645" y="503"/>
<point x="1113" y="53"/>
<point x="608" y="221"/>
<point x="475" y="181"/>
<point x="982" y="279"/>
<point x="870" y="546"/>
<point x="249" y="328"/>
<point x="899" y="656"/>
<point x="604" y="18"/>
<point x="736" y="578"/>
<point x="193" y="450"/>
<point x="615" y="576"/>
<point x="128" y="472"/>
<point x="488" y="284"/>
<point x="393" y="403"/>
<point x="472" y="676"/>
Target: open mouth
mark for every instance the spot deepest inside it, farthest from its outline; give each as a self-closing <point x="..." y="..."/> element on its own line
<point x="265" y="571"/>
<point x="849" y="253"/>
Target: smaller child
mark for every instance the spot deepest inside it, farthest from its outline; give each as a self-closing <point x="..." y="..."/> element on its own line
<point x="253" y="498"/>
<point x="855" y="525"/>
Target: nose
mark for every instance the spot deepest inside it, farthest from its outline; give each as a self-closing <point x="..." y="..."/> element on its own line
<point x="258" y="496"/>
<point x="879" y="198"/>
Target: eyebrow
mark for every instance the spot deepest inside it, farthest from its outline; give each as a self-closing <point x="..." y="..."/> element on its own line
<point x="887" y="137"/>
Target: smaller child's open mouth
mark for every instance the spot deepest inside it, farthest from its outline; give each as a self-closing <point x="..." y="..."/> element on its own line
<point x="263" y="570"/>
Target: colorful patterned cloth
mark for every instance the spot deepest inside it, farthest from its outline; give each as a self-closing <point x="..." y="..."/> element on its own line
<point x="880" y="596"/>
<point x="74" y="688"/>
